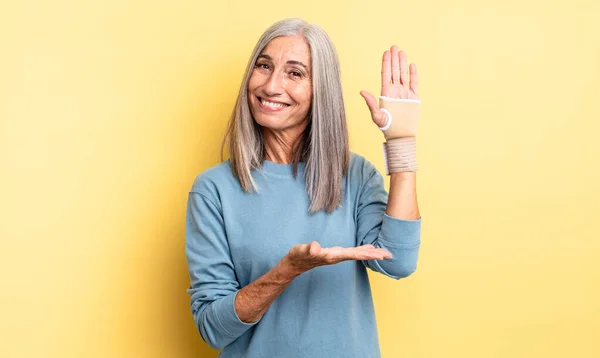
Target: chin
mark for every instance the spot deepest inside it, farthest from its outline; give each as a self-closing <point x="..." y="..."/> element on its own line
<point x="269" y="123"/>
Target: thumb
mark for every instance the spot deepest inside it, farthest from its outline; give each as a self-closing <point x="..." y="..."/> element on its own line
<point x="377" y="115"/>
<point x="371" y="101"/>
<point x="314" y="248"/>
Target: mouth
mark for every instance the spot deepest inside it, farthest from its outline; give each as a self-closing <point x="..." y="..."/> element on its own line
<point x="271" y="106"/>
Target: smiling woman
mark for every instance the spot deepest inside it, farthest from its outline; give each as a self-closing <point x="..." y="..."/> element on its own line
<point x="295" y="64"/>
<point x="279" y="236"/>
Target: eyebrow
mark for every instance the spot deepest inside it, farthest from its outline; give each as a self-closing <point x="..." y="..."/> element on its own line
<point x="293" y="62"/>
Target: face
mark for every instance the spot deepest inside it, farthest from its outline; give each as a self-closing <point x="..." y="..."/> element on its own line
<point x="280" y="89"/>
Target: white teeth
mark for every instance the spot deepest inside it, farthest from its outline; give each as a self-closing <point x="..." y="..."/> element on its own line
<point x="271" y="104"/>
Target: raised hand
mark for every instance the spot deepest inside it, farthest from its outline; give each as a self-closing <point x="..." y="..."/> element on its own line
<point x="304" y="257"/>
<point x="395" y="82"/>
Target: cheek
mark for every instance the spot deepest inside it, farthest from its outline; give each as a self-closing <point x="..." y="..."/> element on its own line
<point x="252" y="84"/>
<point x="303" y="94"/>
<point x="256" y="80"/>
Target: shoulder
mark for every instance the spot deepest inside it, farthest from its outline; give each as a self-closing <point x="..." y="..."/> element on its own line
<point x="213" y="180"/>
<point x="361" y="168"/>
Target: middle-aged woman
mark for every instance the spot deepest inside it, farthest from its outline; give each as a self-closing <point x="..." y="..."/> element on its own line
<point x="278" y="237"/>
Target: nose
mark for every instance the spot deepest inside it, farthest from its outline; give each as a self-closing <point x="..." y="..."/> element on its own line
<point x="275" y="84"/>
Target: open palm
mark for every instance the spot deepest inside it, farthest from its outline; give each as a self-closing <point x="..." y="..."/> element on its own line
<point x="395" y="82"/>
<point x="305" y="257"/>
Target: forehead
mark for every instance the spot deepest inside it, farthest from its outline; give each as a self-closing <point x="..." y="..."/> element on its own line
<point x="288" y="48"/>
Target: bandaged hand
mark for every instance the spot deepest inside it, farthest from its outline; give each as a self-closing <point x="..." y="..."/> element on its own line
<point x="397" y="113"/>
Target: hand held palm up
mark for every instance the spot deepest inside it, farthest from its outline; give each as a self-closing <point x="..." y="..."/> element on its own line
<point x="305" y="257"/>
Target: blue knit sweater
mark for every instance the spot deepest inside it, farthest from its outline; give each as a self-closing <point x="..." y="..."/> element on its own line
<point x="234" y="237"/>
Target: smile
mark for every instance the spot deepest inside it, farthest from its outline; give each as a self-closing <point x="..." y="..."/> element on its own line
<point x="271" y="106"/>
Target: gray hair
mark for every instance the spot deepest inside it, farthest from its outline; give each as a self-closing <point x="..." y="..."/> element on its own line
<point x="324" y="143"/>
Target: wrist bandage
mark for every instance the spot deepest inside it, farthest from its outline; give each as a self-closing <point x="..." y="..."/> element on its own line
<point x="400" y="155"/>
<point x="400" y="132"/>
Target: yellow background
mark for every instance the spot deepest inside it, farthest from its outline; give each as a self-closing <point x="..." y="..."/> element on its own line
<point x="109" y="109"/>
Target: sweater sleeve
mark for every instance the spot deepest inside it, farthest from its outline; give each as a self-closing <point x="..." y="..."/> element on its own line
<point x="402" y="238"/>
<point x="213" y="281"/>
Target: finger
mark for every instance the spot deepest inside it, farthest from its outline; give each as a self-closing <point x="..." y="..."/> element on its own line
<point x="395" y="65"/>
<point x="378" y="115"/>
<point x="364" y="253"/>
<point x="380" y="252"/>
<point x="370" y="256"/>
<point x="414" y="79"/>
<point x="386" y="254"/>
<point x="314" y="248"/>
<point x="386" y="72"/>
<point x="403" y="69"/>
<point x="341" y="254"/>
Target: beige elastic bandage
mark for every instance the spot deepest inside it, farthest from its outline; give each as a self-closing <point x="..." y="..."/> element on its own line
<point x="400" y="148"/>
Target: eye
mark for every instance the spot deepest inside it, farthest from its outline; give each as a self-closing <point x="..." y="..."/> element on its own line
<point x="296" y="73"/>
<point x="262" y="65"/>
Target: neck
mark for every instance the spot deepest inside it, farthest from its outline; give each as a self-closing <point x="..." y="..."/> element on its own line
<point x="279" y="146"/>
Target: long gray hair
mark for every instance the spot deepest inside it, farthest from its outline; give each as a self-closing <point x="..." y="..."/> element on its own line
<point x="323" y="145"/>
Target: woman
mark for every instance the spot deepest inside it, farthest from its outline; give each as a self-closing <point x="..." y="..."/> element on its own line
<point x="279" y="236"/>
